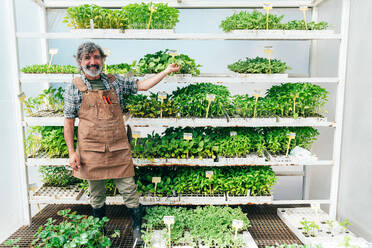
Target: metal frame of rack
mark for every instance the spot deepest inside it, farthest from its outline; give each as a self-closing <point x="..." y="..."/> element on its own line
<point x="342" y="37"/>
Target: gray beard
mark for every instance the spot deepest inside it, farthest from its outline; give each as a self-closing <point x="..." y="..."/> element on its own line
<point x="90" y="73"/>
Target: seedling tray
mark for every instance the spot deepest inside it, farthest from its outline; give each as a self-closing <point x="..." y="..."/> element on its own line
<point x="249" y="160"/>
<point x="232" y="122"/>
<point x="261" y="76"/>
<point x="159" y="242"/>
<point x="293" y="216"/>
<point x="148" y="31"/>
<point x="284" y="32"/>
<point x="48" y="77"/>
<point x="97" y="31"/>
<point x="50" y="195"/>
<point x="248" y="200"/>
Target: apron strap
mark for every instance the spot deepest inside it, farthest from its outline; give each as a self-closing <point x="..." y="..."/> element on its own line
<point x="78" y="82"/>
<point x="111" y="78"/>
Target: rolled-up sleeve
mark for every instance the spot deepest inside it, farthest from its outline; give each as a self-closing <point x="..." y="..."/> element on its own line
<point x="72" y="103"/>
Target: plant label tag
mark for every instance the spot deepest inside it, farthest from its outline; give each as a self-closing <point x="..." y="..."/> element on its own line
<point x="162" y="95"/>
<point x="233" y="133"/>
<point x="315" y="206"/>
<point x="209" y="174"/>
<point x="32" y="187"/>
<point x="292" y="136"/>
<point x="238" y="224"/>
<point x="21" y="96"/>
<point x="257" y="95"/>
<point x="173" y="53"/>
<point x="91" y="23"/>
<point x="107" y="51"/>
<point x="136" y="134"/>
<point x="168" y="220"/>
<point x="156" y="179"/>
<point x="248" y="192"/>
<point x="268" y="50"/>
<point x="268" y="6"/>
<point x="187" y="136"/>
<point x="211" y="97"/>
<point x="303" y="8"/>
<point x="53" y="51"/>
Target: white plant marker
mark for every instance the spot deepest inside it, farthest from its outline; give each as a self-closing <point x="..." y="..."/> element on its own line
<point x="269" y="50"/>
<point x="33" y="187"/>
<point x="267" y="7"/>
<point x="233" y="133"/>
<point x="237" y="224"/>
<point x="107" y="52"/>
<point x="52" y="52"/>
<point x="316" y="208"/>
<point x="152" y="10"/>
<point x="173" y="53"/>
<point x="91" y="24"/>
<point x="162" y="96"/>
<point x="187" y="136"/>
<point x="291" y="136"/>
<point x="169" y="220"/>
<point x="209" y="174"/>
<point x="22" y="98"/>
<point x="304" y="8"/>
<point x="210" y="98"/>
<point x="256" y="95"/>
<point x="156" y="180"/>
<point x="136" y="135"/>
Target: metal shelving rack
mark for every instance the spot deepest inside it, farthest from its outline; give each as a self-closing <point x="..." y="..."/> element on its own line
<point x="43" y="36"/>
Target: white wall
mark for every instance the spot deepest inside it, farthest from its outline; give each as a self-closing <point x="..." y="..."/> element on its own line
<point x="355" y="199"/>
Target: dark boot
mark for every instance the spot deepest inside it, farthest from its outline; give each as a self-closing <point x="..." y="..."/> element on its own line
<point x="136" y="214"/>
<point x="100" y="213"/>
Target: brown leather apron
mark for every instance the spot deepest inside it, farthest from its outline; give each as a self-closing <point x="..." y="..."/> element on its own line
<point x="102" y="140"/>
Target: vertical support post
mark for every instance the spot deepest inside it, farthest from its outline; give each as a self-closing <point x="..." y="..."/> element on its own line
<point x="342" y="63"/>
<point x="21" y="158"/>
<point x="313" y="46"/>
<point x="306" y="183"/>
<point x="43" y="41"/>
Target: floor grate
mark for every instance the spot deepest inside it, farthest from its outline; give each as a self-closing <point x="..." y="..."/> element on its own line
<point x="267" y="228"/>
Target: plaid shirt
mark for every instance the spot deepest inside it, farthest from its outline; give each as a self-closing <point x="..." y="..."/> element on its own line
<point x="73" y="97"/>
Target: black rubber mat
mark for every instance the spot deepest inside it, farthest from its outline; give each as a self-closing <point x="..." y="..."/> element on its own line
<point x="267" y="228"/>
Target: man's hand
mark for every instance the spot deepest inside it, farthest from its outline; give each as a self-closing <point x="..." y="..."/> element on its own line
<point x="152" y="81"/>
<point x="74" y="161"/>
<point x="172" y="68"/>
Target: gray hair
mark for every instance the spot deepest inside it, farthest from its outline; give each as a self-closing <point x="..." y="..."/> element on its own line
<point x="87" y="48"/>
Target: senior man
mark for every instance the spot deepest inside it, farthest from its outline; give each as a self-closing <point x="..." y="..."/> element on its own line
<point x="103" y="151"/>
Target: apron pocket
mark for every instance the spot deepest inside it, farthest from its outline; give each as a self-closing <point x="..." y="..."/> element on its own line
<point x="120" y="154"/>
<point x="94" y="147"/>
<point x="118" y="146"/>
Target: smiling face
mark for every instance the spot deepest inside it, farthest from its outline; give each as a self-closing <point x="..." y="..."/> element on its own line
<point x="92" y="64"/>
